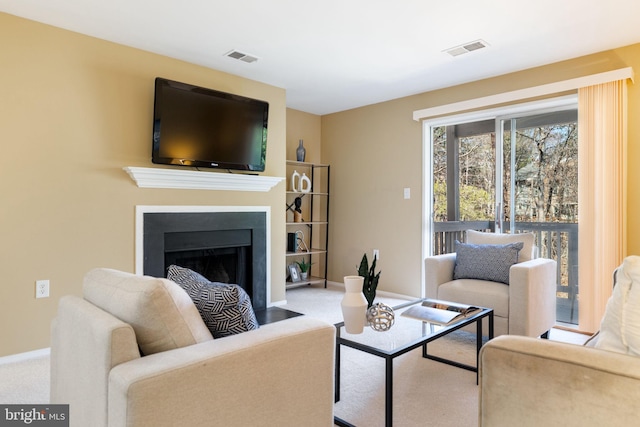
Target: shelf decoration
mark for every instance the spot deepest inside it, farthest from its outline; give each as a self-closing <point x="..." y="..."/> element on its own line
<point x="297" y="212"/>
<point x="305" y="183"/>
<point x="295" y="180"/>
<point x="301" y="151"/>
<point x="304" y="268"/>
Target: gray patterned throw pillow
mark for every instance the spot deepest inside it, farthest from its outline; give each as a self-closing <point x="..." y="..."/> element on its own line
<point x="485" y="262"/>
<point x="225" y="308"/>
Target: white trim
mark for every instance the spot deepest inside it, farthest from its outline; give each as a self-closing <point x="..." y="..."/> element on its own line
<point x="527" y="93"/>
<point x="427" y="197"/>
<point x="382" y="293"/>
<point x="139" y="237"/>
<point x="507" y="111"/>
<point x="199" y="180"/>
<point x="379" y="292"/>
<point x="340" y="285"/>
<point x="22" y="357"/>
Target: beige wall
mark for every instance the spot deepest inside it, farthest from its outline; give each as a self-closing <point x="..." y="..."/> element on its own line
<point x="375" y="152"/>
<point x="630" y="55"/>
<point x="74" y="111"/>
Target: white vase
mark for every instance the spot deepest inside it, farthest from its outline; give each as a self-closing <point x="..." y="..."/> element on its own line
<point x="295" y="181"/>
<point x="305" y="183"/>
<point x="354" y="305"/>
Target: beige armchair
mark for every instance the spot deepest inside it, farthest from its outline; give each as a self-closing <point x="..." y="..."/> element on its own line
<point x="524" y="306"/>
<point x="529" y="382"/>
<point x="279" y="374"/>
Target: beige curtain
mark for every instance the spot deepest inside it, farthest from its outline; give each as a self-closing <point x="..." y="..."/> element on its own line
<point x="602" y="134"/>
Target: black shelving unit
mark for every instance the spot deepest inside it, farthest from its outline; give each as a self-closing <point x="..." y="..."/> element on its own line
<point x="312" y="233"/>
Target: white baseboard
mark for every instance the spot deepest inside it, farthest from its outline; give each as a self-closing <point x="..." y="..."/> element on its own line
<point x="338" y="284"/>
<point x="277" y="303"/>
<point x="378" y="292"/>
<point x="13" y="358"/>
<point x="394" y="295"/>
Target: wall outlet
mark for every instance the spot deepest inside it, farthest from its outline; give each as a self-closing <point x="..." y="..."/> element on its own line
<point x="42" y="289"/>
<point x="407" y="193"/>
<point x="376" y="254"/>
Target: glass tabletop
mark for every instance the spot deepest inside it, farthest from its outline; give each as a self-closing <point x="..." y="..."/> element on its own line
<point x="404" y="334"/>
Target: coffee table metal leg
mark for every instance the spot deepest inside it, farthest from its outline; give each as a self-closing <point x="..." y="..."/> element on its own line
<point x="491" y="325"/>
<point x="337" y="374"/>
<point x="478" y="347"/>
<point x="388" y="403"/>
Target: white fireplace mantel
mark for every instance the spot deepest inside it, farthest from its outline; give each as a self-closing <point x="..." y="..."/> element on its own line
<point x="197" y="180"/>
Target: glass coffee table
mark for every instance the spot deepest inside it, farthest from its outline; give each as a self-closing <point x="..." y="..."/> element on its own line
<point x="405" y="335"/>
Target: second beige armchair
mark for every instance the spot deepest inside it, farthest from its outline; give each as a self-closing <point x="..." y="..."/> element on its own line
<point x="524" y="303"/>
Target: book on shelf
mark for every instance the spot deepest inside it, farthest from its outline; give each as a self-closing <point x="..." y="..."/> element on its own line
<point x="440" y="312"/>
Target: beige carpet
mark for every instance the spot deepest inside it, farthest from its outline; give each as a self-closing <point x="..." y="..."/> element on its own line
<point x="25" y="380"/>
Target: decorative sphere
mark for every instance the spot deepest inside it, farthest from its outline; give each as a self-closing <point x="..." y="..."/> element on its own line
<point x="380" y="317"/>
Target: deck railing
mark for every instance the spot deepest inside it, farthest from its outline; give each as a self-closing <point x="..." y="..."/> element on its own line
<point x="557" y="241"/>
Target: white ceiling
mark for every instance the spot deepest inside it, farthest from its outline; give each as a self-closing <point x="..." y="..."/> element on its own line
<point x="334" y="55"/>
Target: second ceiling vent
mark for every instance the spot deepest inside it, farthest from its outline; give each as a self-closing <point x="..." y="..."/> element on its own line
<point x="467" y="47"/>
<point x="235" y="54"/>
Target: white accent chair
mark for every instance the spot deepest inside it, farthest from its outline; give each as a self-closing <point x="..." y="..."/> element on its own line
<point x="526" y="306"/>
<point x="279" y="374"/>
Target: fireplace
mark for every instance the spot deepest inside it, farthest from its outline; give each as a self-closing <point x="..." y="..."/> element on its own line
<point x="224" y="246"/>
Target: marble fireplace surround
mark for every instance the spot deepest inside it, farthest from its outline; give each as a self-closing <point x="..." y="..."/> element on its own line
<point x="180" y="219"/>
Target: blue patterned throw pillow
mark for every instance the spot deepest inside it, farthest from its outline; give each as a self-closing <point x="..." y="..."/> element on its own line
<point x="485" y="262"/>
<point x="225" y="308"/>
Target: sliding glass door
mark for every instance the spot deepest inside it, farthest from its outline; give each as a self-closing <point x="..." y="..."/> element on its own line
<point x="463" y="181"/>
<point x="540" y="163"/>
<point x="509" y="173"/>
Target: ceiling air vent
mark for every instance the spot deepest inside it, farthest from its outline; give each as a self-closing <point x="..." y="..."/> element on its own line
<point x="467" y="47"/>
<point x="241" y="56"/>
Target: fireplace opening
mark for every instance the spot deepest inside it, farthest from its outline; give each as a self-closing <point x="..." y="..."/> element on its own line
<point x="227" y="247"/>
<point x="224" y="265"/>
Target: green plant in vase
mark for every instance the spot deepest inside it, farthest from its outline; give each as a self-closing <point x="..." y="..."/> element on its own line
<point x="371" y="278"/>
<point x="304" y="267"/>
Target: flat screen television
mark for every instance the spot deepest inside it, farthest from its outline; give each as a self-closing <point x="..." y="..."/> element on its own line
<point x="199" y="127"/>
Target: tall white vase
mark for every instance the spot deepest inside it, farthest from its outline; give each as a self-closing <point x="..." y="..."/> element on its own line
<point x="354" y="305"/>
<point x="295" y="181"/>
<point x="305" y="183"/>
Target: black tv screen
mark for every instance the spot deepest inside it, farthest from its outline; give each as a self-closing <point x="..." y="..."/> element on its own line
<point x="199" y="127"/>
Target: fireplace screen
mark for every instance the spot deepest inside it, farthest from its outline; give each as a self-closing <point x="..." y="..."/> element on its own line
<point x="225" y="265"/>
